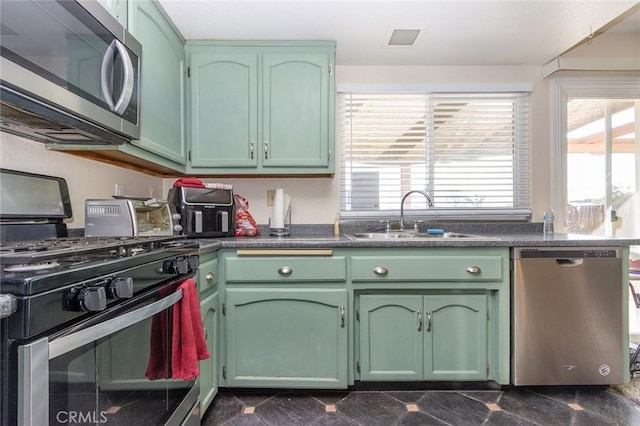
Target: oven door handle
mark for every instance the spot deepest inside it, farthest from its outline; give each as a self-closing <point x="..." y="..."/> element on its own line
<point x="80" y="338"/>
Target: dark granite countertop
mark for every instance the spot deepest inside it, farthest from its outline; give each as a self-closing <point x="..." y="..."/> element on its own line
<point x="495" y="235"/>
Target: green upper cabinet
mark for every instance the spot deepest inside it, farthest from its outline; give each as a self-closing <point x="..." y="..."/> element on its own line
<point x="261" y="107"/>
<point x="224" y="109"/>
<point x="295" y="110"/>
<point x="117" y="9"/>
<point x="162" y="94"/>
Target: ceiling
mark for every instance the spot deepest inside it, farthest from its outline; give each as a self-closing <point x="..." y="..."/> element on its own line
<point x="453" y="32"/>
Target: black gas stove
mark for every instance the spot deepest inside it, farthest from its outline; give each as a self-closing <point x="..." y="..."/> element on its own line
<point x="81" y="313"/>
<point x="31" y="267"/>
<point x="56" y="281"/>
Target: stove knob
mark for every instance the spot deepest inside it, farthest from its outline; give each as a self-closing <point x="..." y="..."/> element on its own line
<point x="121" y="288"/>
<point x="176" y="266"/>
<point x="194" y="261"/>
<point x="92" y="299"/>
<point x="177" y="227"/>
<point x="176" y="216"/>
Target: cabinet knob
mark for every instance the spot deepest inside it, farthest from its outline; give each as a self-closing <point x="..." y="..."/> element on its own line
<point x="381" y="270"/>
<point x="285" y="270"/>
<point x="473" y="269"/>
<point x="210" y="276"/>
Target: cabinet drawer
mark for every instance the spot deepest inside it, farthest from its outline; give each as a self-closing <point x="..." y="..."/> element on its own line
<point x="426" y="268"/>
<point x="208" y="275"/>
<point x="286" y="269"/>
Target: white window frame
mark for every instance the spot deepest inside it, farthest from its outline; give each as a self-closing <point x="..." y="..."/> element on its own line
<point x="465" y="214"/>
<point x="561" y="89"/>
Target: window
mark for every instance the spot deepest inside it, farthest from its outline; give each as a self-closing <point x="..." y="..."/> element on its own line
<point x="597" y="153"/>
<point x="469" y="151"/>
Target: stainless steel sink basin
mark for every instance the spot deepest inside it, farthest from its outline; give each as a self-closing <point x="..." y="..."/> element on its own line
<point x="412" y="235"/>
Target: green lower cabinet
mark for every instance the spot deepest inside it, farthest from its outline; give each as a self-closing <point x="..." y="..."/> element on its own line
<point x="391" y="343"/>
<point x="286" y="337"/>
<point x="423" y="337"/>
<point x="208" y="367"/>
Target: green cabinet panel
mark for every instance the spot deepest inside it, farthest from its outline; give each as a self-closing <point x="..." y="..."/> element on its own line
<point x="117" y="9"/>
<point x="295" y="112"/>
<point x="286" y="337"/>
<point x="391" y="339"/>
<point x="162" y="111"/>
<point x="456" y="337"/>
<point x="286" y="269"/>
<point x="441" y="267"/>
<point x="209" y="366"/>
<point x="224" y="109"/>
<point x="423" y="337"/>
<point x="261" y="107"/>
<point x="207" y="275"/>
<point x="209" y="310"/>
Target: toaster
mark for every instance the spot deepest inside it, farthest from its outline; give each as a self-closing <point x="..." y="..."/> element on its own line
<point x="130" y="217"/>
<point x="204" y="212"/>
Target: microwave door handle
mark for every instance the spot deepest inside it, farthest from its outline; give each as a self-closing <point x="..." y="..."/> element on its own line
<point x="127" y="84"/>
<point x="80" y="338"/>
<point x="107" y="71"/>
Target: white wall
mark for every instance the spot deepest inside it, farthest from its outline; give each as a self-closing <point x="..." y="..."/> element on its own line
<point x="85" y="178"/>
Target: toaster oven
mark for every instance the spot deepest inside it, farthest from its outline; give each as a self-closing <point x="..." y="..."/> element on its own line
<point x="130" y="217"/>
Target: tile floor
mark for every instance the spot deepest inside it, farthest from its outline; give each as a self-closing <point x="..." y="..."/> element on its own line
<point x="508" y="406"/>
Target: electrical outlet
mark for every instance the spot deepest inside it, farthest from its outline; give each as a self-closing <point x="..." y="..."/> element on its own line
<point x="271" y="194"/>
<point x="119" y="189"/>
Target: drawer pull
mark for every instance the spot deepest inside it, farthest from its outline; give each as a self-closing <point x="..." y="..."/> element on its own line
<point x="342" y="317"/>
<point x="419" y="321"/>
<point x="285" y="270"/>
<point x="210" y="276"/>
<point x="381" y="270"/>
<point x="473" y="269"/>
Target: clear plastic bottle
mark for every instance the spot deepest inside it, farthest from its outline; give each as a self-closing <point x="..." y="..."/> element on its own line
<point x="548" y="228"/>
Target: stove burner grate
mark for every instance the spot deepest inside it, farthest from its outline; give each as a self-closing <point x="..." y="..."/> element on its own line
<point x="50" y="250"/>
<point x="31" y="267"/>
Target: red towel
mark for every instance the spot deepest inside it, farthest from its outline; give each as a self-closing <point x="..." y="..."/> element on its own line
<point x="188" y="344"/>
<point x="190" y="182"/>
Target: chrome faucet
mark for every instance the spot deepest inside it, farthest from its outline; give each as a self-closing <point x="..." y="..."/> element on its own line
<point x="429" y="203"/>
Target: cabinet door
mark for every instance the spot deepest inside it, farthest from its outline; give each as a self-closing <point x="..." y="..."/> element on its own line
<point x="456" y="337"/>
<point x="295" y="110"/>
<point x="208" y="367"/>
<point x="391" y="338"/>
<point x="224" y="109"/>
<point x="162" y="112"/>
<point x="117" y="9"/>
<point x="281" y="337"/>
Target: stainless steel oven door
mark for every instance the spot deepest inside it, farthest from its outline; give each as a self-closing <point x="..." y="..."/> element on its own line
<point x="96" y="373"/>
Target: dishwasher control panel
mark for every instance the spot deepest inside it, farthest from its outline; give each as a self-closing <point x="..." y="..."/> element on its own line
<point x="566" y="253"/>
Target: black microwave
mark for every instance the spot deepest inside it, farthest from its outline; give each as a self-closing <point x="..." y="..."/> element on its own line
<point x="69" y="62"/>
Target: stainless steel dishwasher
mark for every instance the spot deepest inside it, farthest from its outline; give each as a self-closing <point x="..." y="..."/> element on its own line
<point x="567" y="318"/>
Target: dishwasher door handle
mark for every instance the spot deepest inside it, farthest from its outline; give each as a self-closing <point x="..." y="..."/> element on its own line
<point x="569" y="262"/>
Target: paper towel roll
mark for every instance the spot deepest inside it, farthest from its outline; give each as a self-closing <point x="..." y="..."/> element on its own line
<point x="277" y="215"/>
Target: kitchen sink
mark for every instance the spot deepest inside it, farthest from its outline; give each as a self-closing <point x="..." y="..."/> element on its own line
<point x="412" y="235"/>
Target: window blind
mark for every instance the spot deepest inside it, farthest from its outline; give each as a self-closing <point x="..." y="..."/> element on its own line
<point x="469" y="151"/>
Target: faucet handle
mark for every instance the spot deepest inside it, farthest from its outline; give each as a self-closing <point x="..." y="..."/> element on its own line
<point x="387" y="225"/>
<point x="416" y="226"/>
